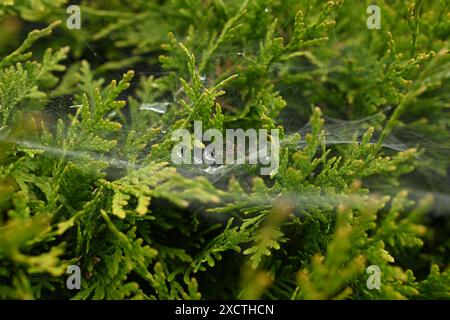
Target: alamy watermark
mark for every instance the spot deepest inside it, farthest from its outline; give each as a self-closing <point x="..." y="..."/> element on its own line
<point x="262" y="148"/>
<point x="374" y="20"/>
<point x="374" y="280"/>
<point x="73" y="21"/>
<point x="74" y="280"/>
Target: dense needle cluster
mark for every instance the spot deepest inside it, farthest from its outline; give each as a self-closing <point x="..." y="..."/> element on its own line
<point x="86" y="176"/>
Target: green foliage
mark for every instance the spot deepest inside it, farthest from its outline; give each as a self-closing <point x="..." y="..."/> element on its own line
<point x="85" y="166"/>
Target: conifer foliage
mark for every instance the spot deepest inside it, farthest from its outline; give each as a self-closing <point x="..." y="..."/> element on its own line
<point x="86" y="177"/>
